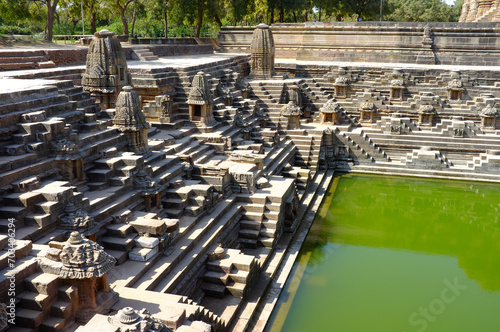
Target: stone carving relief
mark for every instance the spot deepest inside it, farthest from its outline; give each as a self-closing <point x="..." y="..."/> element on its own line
<point x="82" y="258"/>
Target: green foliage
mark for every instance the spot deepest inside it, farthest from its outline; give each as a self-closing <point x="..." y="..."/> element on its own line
<point x="148" y="16"/>
<point x="419" y="11"/>
<point x="116" y="27"/>
<point x="15" y="30"/>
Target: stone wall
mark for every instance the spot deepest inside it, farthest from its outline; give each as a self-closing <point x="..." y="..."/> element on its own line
<point x="443" y="43"/>
<point x="172" y="49"/>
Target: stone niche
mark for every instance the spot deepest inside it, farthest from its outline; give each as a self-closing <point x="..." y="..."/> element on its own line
<point x="330" y="112"/>
<point x="426" y="115"/>
<point x="200" y="101"/>
<point x="340" y="86"/>
<point x="367" y="110"/>
<point x="106" y="69"/>
<point x="488" y="117"/>
<point x="83" y="264"/>
<point x="455" y="89"/>
<point x="262" y="53"/>
<point x="292" y="114"/>
<point x="397" y="89"/>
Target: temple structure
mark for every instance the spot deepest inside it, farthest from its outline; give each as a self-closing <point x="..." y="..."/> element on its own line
<point x="480" y="11"/>
<point x="106" y="69"/>
<point x="166" y="195"/>
<point x="262" y="53"/>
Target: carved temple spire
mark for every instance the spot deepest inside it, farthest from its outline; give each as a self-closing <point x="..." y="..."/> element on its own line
<point x="106" y="69"/>
<point x="262" y="53"/>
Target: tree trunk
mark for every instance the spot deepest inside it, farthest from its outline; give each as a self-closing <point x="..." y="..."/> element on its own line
<point x="133" y="24"/>
<point x="124" y="22"/>
<point x="166" y="23"/>
<point x="319" y="15"/>
<point x="122" y="15"/>
<point x="51" y="11"/>
<point x="282" y="15"/>
<point x="217" y="20"/>
<point x="200" y="22"/>
<point x="306" y="18"/>
<point x="93" y="27"/>
<point x="272" y="15"/>
<point x="294" y="17"/>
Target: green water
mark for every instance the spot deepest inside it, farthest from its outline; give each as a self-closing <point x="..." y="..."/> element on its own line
<point x="398" y="254"/>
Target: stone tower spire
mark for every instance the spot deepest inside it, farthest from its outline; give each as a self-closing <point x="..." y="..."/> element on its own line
<point x="130" y="120"/>
<point x="106" y="69"/>
<point x="262" y="49"/>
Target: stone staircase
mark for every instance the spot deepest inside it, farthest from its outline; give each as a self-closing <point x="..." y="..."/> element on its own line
<point x="144" y="54"/>
<point x="230" y="274"/>
<point x="43" y="302"/>
<point x="308" y="147"/>
<point x="28" y="59"/>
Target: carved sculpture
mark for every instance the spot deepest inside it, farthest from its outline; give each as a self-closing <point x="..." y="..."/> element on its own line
<point x="292" y="114"/>
<point x="262" y="53"/>
<point x="68" y="158"/>
<point x="75" y="218"/>
<point x="150" y="190"/>
<point x="480" y="11"/>
<point x="294" y="95"/>
<point x="130" y="120"/>
<point x="106" y="69"/>
<point x="397" y="88"/>
<point x="128" y="320"/>
<point x="340" y="86"/>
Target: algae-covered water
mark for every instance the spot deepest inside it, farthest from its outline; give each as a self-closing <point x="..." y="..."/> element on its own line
<point x="395" y="254"/>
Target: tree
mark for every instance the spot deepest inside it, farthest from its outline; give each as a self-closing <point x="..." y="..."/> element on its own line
<point x="419" y="11"/>
<point x="123" y="8"/>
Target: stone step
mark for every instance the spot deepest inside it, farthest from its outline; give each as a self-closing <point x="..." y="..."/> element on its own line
<point x="43" y="283"/>
<point x="34" y="301"/>
<point x="213" y="290"/>
<point x="120" y="244"/>
<point x="28" y="318"/>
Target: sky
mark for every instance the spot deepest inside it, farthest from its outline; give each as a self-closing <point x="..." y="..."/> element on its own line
<point x="449" y="2"/>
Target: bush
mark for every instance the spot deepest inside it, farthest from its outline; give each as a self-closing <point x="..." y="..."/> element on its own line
<point x="15" y="30"/>
<point x="116" y="27"/>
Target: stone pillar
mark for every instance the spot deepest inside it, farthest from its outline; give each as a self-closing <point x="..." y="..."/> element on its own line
<point x="106" y="69"/>
<point x="262" y="53"/>
<point x="130" y="120"/>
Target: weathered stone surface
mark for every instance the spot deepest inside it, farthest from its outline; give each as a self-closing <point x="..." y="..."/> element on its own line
<point x="149" y="226"/>
<point x="262" y="53"/>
